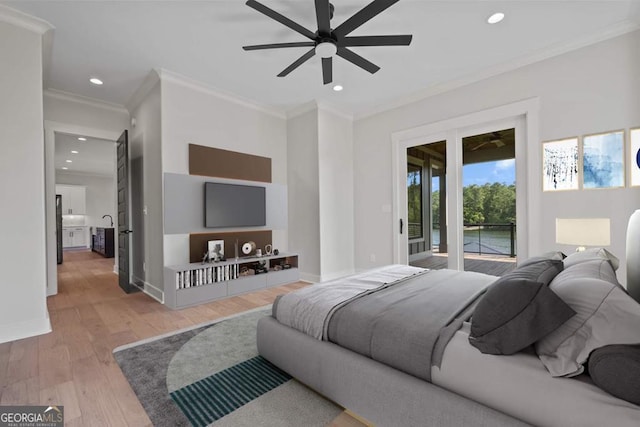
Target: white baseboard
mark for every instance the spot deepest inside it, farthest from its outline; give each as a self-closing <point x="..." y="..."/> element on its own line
<point x="25" y="329"/>
<point x="312" y="278"/>
<point x="153" y="292"/>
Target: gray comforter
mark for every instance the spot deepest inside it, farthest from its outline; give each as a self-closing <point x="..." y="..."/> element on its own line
<point x="404" y="323"/>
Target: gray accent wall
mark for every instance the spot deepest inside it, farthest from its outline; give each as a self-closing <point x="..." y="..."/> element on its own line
<point x="184" y="203"/>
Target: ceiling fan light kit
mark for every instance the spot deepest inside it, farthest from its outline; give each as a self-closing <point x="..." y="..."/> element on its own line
<point x="326" y="49"/>
<point x="328" y="42"/>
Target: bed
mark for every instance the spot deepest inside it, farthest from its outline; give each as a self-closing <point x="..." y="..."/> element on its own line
<point x="342" y="340"/>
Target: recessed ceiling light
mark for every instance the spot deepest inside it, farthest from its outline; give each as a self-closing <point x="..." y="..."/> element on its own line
<point x="82" y="139"/>
<point x="65" y="168"/>
<point x="69" y="161"/>
<point x="96" y="81"/>
<point x="495" y="18"/>
<point x="337" y="88"/>
<point x="74" y="152"/>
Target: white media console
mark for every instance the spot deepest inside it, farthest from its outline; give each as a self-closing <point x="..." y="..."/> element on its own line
<point x="198" y="283"/>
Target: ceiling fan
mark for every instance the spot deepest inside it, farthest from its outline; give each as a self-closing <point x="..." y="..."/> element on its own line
<point x="327" y="42"/>
<point x="494" y="138"/>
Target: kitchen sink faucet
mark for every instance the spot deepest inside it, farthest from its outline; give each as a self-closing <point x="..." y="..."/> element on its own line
<point x="104" y="216"/>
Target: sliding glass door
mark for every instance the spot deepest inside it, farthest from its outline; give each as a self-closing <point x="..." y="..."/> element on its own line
<point x="489" y="201"/>
<point x="426" y="203"/>
<point x="460" y="201"/>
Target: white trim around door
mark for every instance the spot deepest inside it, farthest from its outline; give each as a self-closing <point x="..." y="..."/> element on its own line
<point x="521" y="115"/>
<point x="50" y="129"/>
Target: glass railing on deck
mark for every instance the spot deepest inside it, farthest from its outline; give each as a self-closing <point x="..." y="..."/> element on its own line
<point x="485" y="238"/>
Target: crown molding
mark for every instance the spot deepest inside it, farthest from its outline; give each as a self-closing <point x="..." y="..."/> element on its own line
<point x="72" y="97"/>
<point x="334" y="110"/>
<point x="20" y="19"/>
<point x="610" y="32"/>
<point x="317" y="105"/>
<point x="141" y="93"/>
<point x="302" y="109"/>
<point x="170" y="76"/>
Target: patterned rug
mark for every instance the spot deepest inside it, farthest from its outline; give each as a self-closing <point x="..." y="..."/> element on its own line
<point x="212" y="375"/>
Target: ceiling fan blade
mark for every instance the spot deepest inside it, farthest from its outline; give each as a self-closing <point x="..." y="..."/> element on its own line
<point x="298" y="62"/>
<point x="358" y="60"/>
<point x="280" y="18"/>
<point x="323" y="15"/>
<point x="369" y="11"/>
<point x="482" y="144"/>
<point x="327" y="70"/>
<point x="400" y="40"/>
<point x="278" y="45"/>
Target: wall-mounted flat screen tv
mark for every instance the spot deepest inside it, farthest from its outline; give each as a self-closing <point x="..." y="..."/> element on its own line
<point x="231" y="205"/>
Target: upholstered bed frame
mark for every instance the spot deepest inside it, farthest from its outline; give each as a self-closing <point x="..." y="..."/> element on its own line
<point x="376" y="392"/>
<point x="381" y="394"/>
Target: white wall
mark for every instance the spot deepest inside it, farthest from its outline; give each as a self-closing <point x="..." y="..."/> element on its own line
<point x="100" y="196"/>
<point x="75" y="110"/>
<point x="304" y="193"/>
<point x="146" y="143"/>
<point x="335" y="178"/>
<point x="193" y="114"/>
<point x="320" y="168"/>
<point x="594" y="89"/>
<point x="23" y="310"/>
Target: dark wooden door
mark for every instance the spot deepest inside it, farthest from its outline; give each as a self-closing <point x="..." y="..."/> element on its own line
<point x="124" y="275"/>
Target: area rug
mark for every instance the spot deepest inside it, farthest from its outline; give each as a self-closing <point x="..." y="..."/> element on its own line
<point x="212" y="375"/>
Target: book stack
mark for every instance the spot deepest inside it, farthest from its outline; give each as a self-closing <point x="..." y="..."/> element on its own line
<point x="206" y="275"/>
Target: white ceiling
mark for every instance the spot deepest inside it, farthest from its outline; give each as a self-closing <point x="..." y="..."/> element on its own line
<point x="122" y="41"/>
<point x="95" y="156"/>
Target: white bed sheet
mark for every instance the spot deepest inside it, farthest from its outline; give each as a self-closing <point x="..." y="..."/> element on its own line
<point x="520" y="386"/>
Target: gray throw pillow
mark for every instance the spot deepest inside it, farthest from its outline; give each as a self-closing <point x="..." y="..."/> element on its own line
<point x="518" y="309"/>
<point x="553" y="255"/>
<point x="606" y="315"/>
<point x="616" y="370"/>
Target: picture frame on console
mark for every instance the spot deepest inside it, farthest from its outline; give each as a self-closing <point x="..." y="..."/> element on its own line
<point x="216" y="250"/>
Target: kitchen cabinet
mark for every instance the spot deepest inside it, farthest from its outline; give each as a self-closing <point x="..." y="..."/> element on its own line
<point x="74" y="199"/>
<point x="74" y="237"/>
<point x="103" y="242"/>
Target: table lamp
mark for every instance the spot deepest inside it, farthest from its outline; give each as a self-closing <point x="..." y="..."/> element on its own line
<point x="583" y="232"/>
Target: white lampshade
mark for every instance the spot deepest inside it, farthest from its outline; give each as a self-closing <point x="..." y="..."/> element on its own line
<point x="583" y="231"/>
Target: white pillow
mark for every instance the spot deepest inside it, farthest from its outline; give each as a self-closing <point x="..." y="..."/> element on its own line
<point x="591" y="254"/>
<point x="605" y="314"/>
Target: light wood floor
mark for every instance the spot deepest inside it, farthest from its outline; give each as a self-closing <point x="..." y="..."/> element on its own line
<point x="74" y="366"/>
